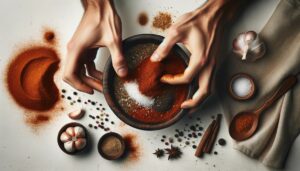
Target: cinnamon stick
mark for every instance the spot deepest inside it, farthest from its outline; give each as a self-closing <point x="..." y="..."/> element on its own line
<point x="211" y="140"/>
<point x="206" y="135"/>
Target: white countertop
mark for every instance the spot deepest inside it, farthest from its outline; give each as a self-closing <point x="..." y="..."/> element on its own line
<point x="23" y="149"/>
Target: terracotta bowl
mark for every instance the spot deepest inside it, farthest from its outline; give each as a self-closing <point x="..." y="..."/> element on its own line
<point x="108" y="88"/>
<point x="61" y="144"/>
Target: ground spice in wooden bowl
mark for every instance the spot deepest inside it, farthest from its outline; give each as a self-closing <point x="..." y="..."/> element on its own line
<point x="147" y="75"/>
<point x="133" y="98"/>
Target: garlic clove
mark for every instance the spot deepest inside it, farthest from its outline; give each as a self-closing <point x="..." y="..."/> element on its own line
<point x="77" y="114"/>
<point x="79" y="132"/>
<point x="69" y="146"/>
<point x="70" y="131"/>
<point x="64" y="137"/>
<point x="80" y="143"/>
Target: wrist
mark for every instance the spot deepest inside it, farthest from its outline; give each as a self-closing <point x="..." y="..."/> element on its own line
<point x="222" y="9"/>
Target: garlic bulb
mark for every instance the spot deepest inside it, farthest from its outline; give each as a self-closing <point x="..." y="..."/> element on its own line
<point x="249" y="46"/>
<point x="74" y="138"/>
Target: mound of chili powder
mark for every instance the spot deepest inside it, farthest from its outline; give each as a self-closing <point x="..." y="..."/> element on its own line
<point x="30" y="78"/>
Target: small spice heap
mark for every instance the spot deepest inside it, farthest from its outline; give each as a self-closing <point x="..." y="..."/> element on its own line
<point x="143" y="19"/>
<point x="162" y="20"/>
<point x="209" y="137"/>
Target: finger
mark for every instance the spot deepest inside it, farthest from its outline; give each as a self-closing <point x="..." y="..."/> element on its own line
<point x="77" y="83"/>
<point x="118" y="59"/>
<point x="189" y="73"/>
<point x="93" y="83"/>
<point x="165" y="47"/>
<point x="71" y="70"/>
<point x="204" y="86"/>
<point x="92" y="71"/>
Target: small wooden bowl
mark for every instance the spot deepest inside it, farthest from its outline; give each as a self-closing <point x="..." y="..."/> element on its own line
<point x="61" y="144"/>
<point x="252" y="90"/>
<point x="108" y="90"/>
<point x="116" y="135"/>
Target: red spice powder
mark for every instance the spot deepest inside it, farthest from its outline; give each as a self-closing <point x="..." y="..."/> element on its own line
<point x="143" y="19"/>
<point x="244" y="123"/>
<point x="133" y="152"/>
<point x="148" y="76"/>
<point x="30" y="78"/>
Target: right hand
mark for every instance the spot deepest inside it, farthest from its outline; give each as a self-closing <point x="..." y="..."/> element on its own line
<point x="100" y="26"/>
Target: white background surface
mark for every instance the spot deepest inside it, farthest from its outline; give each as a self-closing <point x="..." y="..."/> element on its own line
<point x="22" y="149"/>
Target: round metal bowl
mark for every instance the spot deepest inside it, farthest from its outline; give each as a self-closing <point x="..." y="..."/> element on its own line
<point x="108" y="78"/>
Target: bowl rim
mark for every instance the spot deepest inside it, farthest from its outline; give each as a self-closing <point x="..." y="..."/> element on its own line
<point x="118" y="136"/>
<point x="108" y="71"/>
<point x="61" y="144"/>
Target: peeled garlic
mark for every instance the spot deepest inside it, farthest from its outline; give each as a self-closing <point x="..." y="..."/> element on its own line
<point x="249" y="46"/>
<point x="70" y="131"/>
<point x="77" y="114"/>
<point x="79" y="132"/>
<point x="64" y="137"/>
<point x="80" y="143"/>
<point x="69" y="146"/>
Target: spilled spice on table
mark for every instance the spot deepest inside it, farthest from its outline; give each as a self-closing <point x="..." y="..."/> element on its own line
<point x="30" y="81"/>
<point x="133" y="149"/>
<point x="163" y="20"/>
<point x="143" y="19"/>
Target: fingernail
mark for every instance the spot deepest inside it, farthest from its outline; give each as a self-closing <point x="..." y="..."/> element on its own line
<point x="155" y="57"/>
<point x="122" y="71"/>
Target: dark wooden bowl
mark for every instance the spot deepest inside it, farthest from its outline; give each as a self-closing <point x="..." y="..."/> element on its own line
<point x="118" y="136"/>
<point x="108" y="78"/>
<point x="61" y="144"/>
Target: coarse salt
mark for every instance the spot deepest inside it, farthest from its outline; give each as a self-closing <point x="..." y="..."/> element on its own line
<point x="242" y="86"/>
<point x="132" y="88"/>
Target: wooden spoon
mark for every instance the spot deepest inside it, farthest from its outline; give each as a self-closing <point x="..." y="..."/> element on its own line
<point x="244" y="124"/>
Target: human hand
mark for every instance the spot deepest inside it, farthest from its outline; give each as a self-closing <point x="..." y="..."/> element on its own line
<point x="100" y="26"/>
<point x="200" y="32"/>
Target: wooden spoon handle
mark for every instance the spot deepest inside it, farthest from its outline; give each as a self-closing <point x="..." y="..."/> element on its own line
<point x="287" y="84"/>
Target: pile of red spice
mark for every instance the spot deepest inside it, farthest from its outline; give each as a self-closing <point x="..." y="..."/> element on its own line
<point x="30" y="80"/>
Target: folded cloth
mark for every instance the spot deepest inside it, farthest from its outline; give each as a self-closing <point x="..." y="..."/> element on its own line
<point x="280" y="124"/>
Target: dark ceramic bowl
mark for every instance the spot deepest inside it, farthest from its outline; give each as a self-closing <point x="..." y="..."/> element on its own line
<point x="116" y="135"/>
<point x="61" y="144"/>
<point x="108" y="79"/>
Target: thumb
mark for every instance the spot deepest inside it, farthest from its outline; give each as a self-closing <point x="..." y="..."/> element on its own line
<point x="164" y="48"/>
<point x="118" y="60"/>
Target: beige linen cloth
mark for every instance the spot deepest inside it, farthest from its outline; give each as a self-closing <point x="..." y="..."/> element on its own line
<point x="280" y="124"/>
